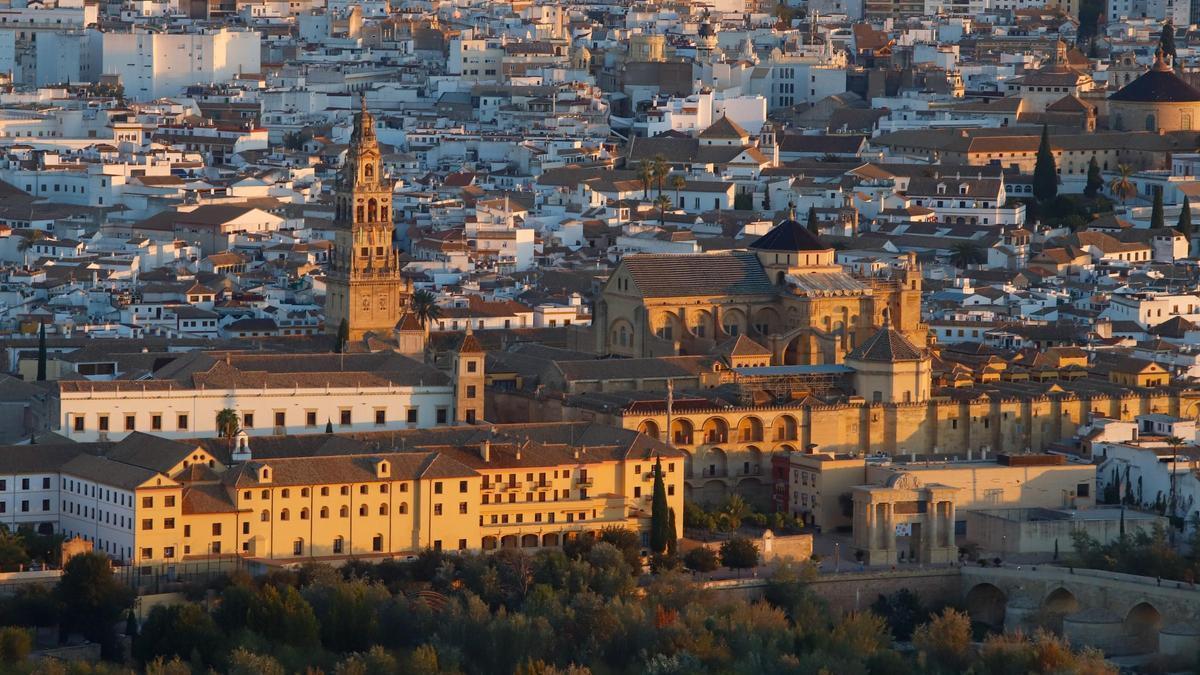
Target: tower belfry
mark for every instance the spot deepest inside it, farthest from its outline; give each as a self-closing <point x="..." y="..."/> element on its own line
<point x="365" y="288"/>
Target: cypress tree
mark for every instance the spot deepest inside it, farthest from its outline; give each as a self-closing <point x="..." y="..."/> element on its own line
<point x="672" y="542"/>
<point x="1184" y="226"/>
<point x="660" y="536"/>
<point x="41" y="362"/>
<point x="343" y="336"/>
<point x="813" y="225"/>
<point x="1156" y="212"/>
<point x="329" y="426"/>
<point x="1094" y="180"/>
<point x="1045" y="172"/>
<point x="1166" y="41"/>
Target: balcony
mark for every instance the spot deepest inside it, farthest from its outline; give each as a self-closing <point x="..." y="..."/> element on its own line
<point x="508" y="487"/>
<point x="585" y="481"/>
<point x="714" y="438"/>
<point x="682" y="439"/>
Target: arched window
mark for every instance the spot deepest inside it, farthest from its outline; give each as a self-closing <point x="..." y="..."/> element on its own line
<point x="324" y="511"/>
<point x="369" y="170"/>
<point x="284" y="515"/>
<point x="403" y="508"/>
<point x="372" y="210"/>
<point x="383" y="509"/>
<point x="362" y="510"/>
<point x="303" y="514"/>
<point x="265" y="516"/>
<point x="359" y="211"/>
<point x="344" y="512"/>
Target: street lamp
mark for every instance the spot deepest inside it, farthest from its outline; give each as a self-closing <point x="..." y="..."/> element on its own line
<point x="837" y="556"/>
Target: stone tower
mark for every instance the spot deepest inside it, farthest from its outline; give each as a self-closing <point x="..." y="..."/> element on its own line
<point x="365" y="288"/>
<point x="469" y="381"/>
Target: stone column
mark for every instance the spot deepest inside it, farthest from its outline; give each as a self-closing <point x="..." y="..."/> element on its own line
<point x="891" y="527"/>
<point x="950" y="525"/>
<point x="931" y="540"/>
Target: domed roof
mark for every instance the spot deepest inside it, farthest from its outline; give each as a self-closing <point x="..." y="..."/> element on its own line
<point x="1158" y="85"/>
<point x="788" y="235"/>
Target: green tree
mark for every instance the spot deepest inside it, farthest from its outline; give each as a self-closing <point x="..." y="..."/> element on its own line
<point x="228" y="424"/>
<point x="966" y="253"/>
<point x="739" y="553"/>
<point x="343" y="337"/>
<point x="767" y="198"/>
<point x="659" y="170"/>
<point x="184" y="630"/>
<point x="813" y="224"/>
<point x="28" y="241"/>
<point x="701" y="559"/>
<point x="945" y="640"/>
<point x="1045" y="172"/>
<point x="1121" y="186"/>
<point x="41" y="354"/>
<point x="245" y="662"/>
<point x="1184" y="224"/>
<point x="281" y="616"/>
<point x="424" y="306"/>
<point x="660" y="536"/>
<point x="12" y="551"/>
<point x="678" y="182"/>
<point x="92" y="599"/>
<point x="1156" y="211"/>
<point x="1095" y="181"/>
<point x="860" y="634"/>
<point x="645" y="175"/>
<point x="902" y="610"/>
<point x="15" y="645"/>
<point x="662" y="202"/>
<point x="1166" y="41"/>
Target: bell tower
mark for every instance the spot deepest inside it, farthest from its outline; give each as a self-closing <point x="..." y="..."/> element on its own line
<point x="365" y="288"/>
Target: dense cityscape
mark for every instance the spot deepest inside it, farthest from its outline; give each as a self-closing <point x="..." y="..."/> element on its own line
<point x="539" y="338"/>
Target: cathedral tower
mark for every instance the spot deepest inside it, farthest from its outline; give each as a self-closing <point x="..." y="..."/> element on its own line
<point x="364" y="288"/>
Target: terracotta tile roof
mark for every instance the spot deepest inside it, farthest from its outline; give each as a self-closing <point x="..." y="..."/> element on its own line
<point x="666" y="275"/>
<point x="887" y="345"/>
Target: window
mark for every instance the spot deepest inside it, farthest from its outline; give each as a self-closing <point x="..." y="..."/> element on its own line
<point x="303" y="514"/>
<point x="45" y="483"/>
<point x="147" y="524"/>
<point x="470" y="391"/>
<point x="437" y="509"/>
<point x="280" y="419"/>
<point x="103" y="423"/>
<point x="45" y="504"/>
<point x="248" y="421"/>
<point x="169" y="552"/>
<point x="462" y="507"/>
<point x="1083" y="490"/>
<point x="156" y="422"/>
<point x="284" y="515"/>
<point x="471" y="366"/>
<point x="298" y="547"/>
<point x="169" y="501"/>
<point x="410" y="417"/>
<point x="181" y="423"/>
<point x="380" y="417"/>
<point x="377" y="543"/>
<point x="147" y="502"/>
<point x="403" y="510"/>
<point x="265" y="516"/>
<point x="462" y="544"/>
<point x="216" y="529"/>
<point x="130" y="422"/>
<point x="79" y="423"/>
<point x="168" y="523"/>
<point x="324" y="512"/>
<point x="310" y="418"/>
<point x="338" y="545"/>
<point x="462" y="486"/>
<point x="441" y="415"/>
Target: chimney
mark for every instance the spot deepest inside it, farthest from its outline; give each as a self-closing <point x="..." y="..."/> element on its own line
<point x="485" y="450"/>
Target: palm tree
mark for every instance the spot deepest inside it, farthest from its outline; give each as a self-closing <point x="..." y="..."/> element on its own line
<point x="424" y="306"/>
<point x="678" y="182"/>
<point x="659" y="170"/>
<point x="645" y="174"/>
<point x="1175" y="442"/>
<point x="966" y="253"/>
<point x="27" y="242"/>
<point x="663" y="203"/>
<point x="1120" y="186"/>
<point x="228" y="425"/>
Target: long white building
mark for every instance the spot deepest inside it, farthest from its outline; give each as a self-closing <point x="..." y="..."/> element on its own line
<point x="273" y="394"/>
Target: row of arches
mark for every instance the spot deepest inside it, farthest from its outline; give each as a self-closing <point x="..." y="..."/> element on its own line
<point x="987" y="604"/>
<point x="714" y="430"/>
<point x="530" y="540"/>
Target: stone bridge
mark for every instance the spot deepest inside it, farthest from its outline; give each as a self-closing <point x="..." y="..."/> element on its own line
<point x="1120" y="614"/>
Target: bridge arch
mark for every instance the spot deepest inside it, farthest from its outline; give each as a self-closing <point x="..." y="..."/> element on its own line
<point x="1142" y="623"/>
<point x="986" y="604"/>
<point x="1059" y="603"/>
